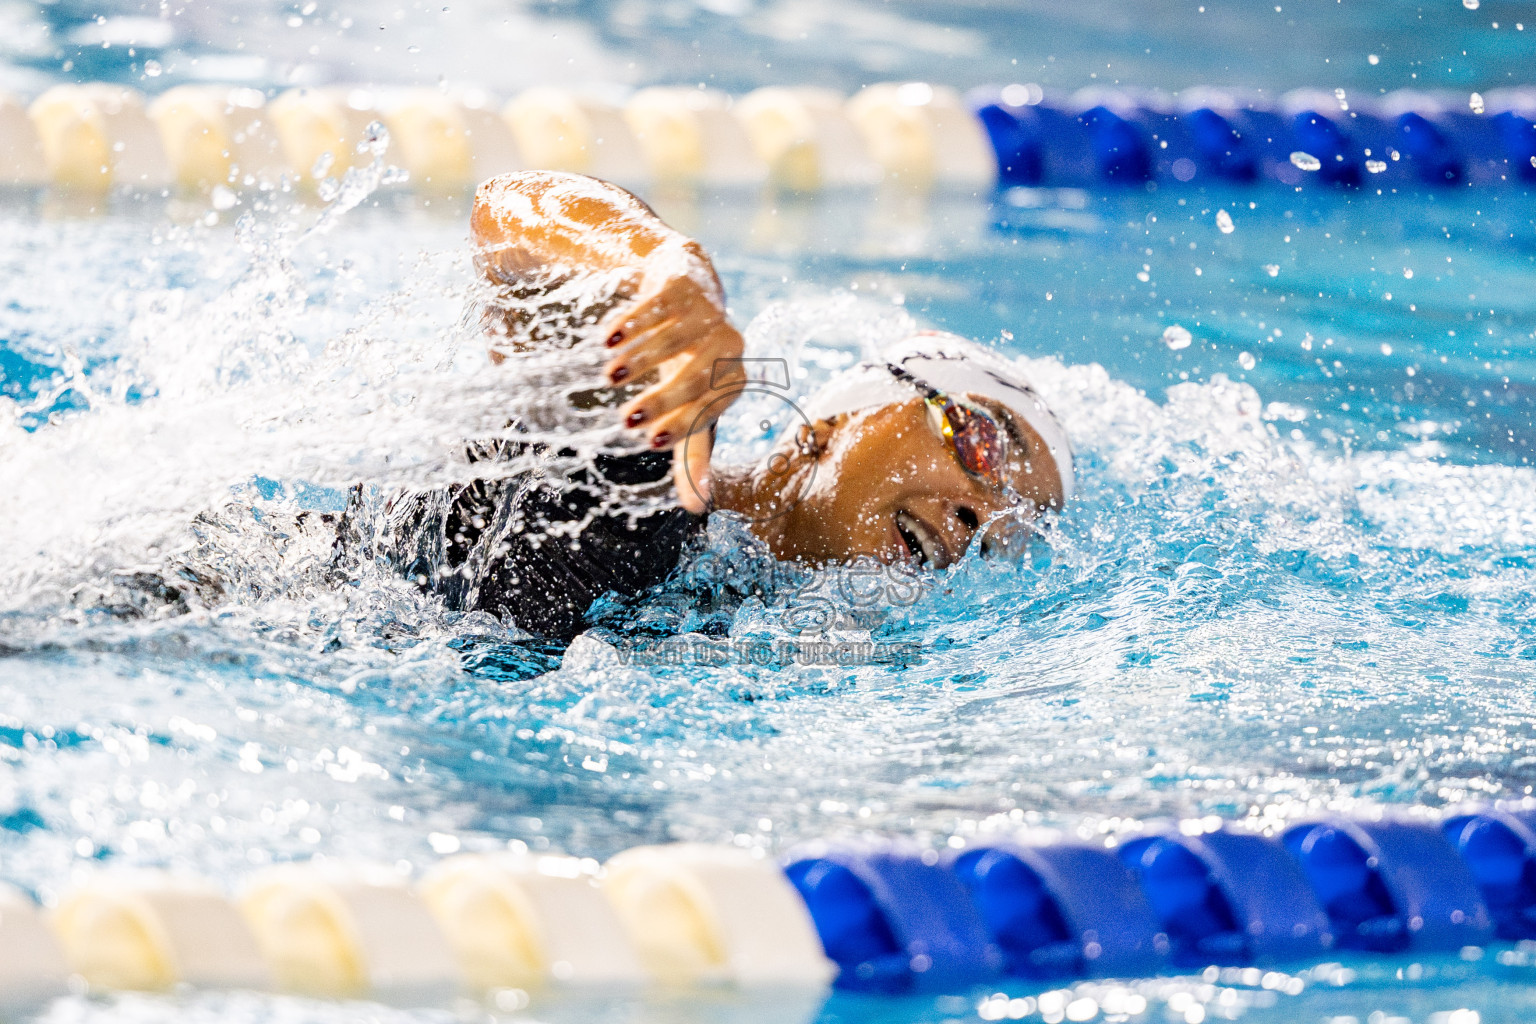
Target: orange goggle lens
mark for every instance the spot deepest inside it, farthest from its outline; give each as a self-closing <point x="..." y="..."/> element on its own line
<point x="974" y="437"/>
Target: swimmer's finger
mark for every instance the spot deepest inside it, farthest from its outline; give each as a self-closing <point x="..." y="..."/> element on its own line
<point x="699" y="372"/>
<point x="649" y="350"/>
<point x="690" y="471"/>
<point x="680" y="298"/>
<point x="691" y="419"/>
<point x="706" y="341"/>
<point x="657" y="402"/>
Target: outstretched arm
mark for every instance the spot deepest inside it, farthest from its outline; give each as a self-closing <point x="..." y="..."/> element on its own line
<point x="537" y="224"/>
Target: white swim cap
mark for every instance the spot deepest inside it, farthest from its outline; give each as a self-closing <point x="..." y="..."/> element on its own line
<point x="955" y="365"/>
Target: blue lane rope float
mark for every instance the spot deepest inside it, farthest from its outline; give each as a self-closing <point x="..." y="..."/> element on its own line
<point x="1229" y="896"/>
<point x="882" y="918"/>
<point x="894" y="922"/>
<point x="1104" y="137"/>
<point x="1499" y="848"/>
<point x="95" y="136"/>
<point x="1391" y="886"/>
<point x="1066" y="911"/>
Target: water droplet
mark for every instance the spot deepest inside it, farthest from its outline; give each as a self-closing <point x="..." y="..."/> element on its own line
<point x="1306" y="161"/>
<point x="294" y="21"/>
<point x="1373" y="59"/>
<point x="1246" y="360"/>
<point x="1407" y="271"/>
<point x="328" y="189"/>
<point x="1476" y="103"/>
<point x="222" y="198"/>
<point x="375" y="139"/>
<point x="152" y="69"/>
<point x="1176" y="337"/>
<point x="1471" y="5"/>
<point x="1338" y="94"/>
<point x="1272" y="269"/>
<point x="1386" y="349"/>
<point x="1375" y="166"/>
<point x="322" y="165"/>
<point x="1224" y="222"/>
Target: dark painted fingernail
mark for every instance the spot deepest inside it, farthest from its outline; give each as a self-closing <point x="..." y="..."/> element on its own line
<point x="615" y="338"/>
<point x="635" y="418"/>
<point x="661" y="440"/>
<point x="620" y="375"/>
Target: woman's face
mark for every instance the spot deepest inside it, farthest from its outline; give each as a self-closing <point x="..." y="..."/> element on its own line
<point x="888" y="485"/>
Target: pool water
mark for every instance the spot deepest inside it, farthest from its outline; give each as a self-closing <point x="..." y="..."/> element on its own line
<point x="1297" y="576"/>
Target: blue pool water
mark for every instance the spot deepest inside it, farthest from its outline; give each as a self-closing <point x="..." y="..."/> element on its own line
<point x="1297" y="577"/>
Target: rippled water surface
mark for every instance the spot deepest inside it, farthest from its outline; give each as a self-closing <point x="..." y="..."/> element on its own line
<point x="1298" y="575"/>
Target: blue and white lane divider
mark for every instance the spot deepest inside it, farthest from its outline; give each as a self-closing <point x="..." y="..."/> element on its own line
<point x="94" y="136"/>
<point x="873" y="917"/>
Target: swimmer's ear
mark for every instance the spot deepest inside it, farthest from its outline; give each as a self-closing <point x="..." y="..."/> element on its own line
<point x="811" y="439"/>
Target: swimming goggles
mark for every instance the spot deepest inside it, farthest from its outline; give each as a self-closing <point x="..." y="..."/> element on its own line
<point x="974" y="436"/>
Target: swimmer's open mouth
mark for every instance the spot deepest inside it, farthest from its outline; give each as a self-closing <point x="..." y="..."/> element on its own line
<point x="923" y="544"/>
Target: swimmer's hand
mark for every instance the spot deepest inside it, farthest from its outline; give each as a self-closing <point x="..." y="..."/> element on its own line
<point x="530" y="223"/>
<point x="677" y="327"/>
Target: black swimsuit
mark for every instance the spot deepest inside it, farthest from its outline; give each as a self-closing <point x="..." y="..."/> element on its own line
<point x="536" y="551"/>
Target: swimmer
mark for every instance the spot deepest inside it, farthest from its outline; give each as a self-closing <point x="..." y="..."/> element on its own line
<point x="909" y="457"/>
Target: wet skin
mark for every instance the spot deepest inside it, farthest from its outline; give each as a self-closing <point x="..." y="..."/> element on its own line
<point x="885" y="483"/>
<point x="881" y="482"/>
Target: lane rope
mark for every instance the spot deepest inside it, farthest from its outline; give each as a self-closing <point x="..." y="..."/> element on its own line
<point x="95" y="137"/>
<point x="873" y="916"/>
